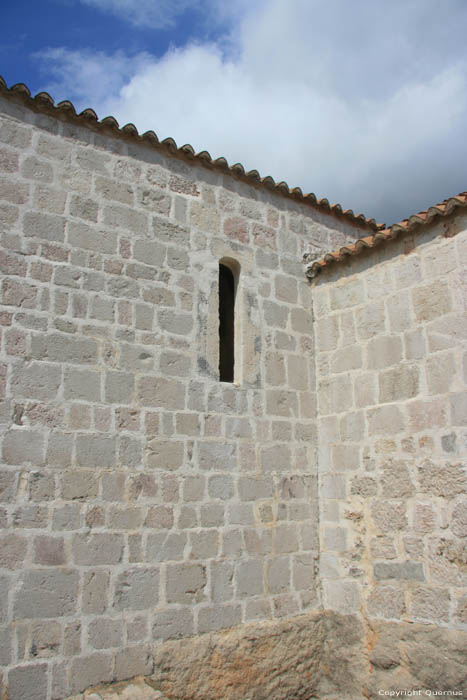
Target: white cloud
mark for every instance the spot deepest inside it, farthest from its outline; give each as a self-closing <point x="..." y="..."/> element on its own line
<point x="162" y="14"/>
<point x="362" y="102"/>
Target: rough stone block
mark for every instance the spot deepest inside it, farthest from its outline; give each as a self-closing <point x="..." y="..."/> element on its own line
<point x="399" y="383"/>
<point x="87" y="671"/>
<point x="46" y="593"/>
<point x="165" y="454"/>
<point x="249" y="578"/>
<point x="431" y="300"/>
<point x="22" y="446"/>
<point x="385" y="420"/>
<point x="278" y="575"/>
<point x="95" y="591"/>
<point x="82" y="384"/>
<point x="137" y="589"/>
<point x="386" y="602"/>
<point x="389" y="515"/>
<point x="27" y="682"/>
<point x="186" y="583"/>
<point x="12" y="550"/>
<point x="342" y="596"/>
<point x="49" y="551"/>
<point x="218" y="617"/>
<point x="384" y="351"/>
<point x="160" y="392"/>
<point x="96" y="549"/>
<point x="95" y="450"/>
<point x="405" y="571"/>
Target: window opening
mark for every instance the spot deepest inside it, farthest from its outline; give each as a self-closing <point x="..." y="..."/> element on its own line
<point x="226" y="323"/>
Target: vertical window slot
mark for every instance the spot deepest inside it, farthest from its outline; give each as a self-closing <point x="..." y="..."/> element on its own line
<point x="226" y="323"/>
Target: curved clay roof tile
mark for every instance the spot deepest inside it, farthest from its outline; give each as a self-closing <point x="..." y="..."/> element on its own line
<point x="44" y="102"/>
<point x="417" y="221"/>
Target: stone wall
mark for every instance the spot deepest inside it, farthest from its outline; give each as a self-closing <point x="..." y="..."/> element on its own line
<point x="391" y="365"/>
<point x="141" y="499"/>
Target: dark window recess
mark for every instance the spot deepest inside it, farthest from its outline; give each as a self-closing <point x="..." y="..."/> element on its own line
<point x="226" y="323"/>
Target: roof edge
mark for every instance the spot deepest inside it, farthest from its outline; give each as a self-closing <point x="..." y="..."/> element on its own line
<point x="43" y="102"/>
<point x="415" y="222"/>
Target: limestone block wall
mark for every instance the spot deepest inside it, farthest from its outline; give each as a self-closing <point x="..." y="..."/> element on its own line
<point x="391" y="362"/>
<point x="141" y="498"/>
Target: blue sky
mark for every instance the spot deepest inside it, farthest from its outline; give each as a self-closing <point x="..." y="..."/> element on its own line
<point x="363" y="102"/>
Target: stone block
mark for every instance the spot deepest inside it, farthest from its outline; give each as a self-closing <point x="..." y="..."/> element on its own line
<point x="278" y="575"/>
<point x="333" y="486"/>
<point x="286" y="289"/>
<point x="95" y="451"/>
<point x="218" y="617"/>
<point x="444" y="480"/>
<point x="186" y="583"/>
<point x="175" y="364"/>
<point x="221" y="486"/>
<point x="160" y="392"/>
<point x="217" y="456"/>
<point x="46" y="593"/>
<point x="384" y="351"/>
<point x="173" y="624"/>
<point x="63" y="348"/>
<point x="204" y="544"/>
<point x="276" y="315"/>
<point x="370" y="320"/>
<point x="59" y="449"/>
<point x="459" y="408"/>
<point x="346" y="359"/>
<point x="350" y="292"/>
<point x="398" y="383"/>
<point x="159" y="517"/>
<point x="114" y="190"/>
<point x="396" y="481"/>
<point x="385" y="420"/>
<point x="404" y="571"/>
<point x="459" y="519"/>
<point x="49" y="551"/>
<point x="96" y="549"/>
<point x="342" y="596"/>
<point x="285" y="538"/>
<point x="27" y="682"/>
<point x="23" y="446"/>
<point x="335" y="395"/>
<point x="303" y="571"/>
<point x="276" y="459"/>
<point x="12" y="550"/>
<point x="335" y="539"/>
<point x="82" y="385"/>
<point x="119" y="387"/>
<point x="95" y="591"/>
<point x="431" y="300"/>
<point x="221" y="577"/>
<point x="163" y="546"/>
<point x="389" y="515"/>
<point x="386" y="602"/>
<point x="249" y="578"/>
<point x="87" y="671"/>
<point x="137" y="589"/>
<point x="165" y="454"/>
<point x="104" y="633"/>
<point x="430" y="604"/>
<point x="345" y="457"/>
<point x="102" y="309"/>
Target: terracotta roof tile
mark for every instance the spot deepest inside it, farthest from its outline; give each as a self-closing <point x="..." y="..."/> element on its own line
<point x="44" y="102"/>
<point x="417" y="221"/>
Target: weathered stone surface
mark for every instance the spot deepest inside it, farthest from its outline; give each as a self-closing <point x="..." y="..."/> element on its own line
<point x="274" y="661"/>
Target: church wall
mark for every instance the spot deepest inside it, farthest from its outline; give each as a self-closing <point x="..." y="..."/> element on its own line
<point x="142" y="499"/>
<point x="391" y="341"/>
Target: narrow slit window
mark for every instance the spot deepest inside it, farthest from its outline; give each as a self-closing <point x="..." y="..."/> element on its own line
<point x="226" y="323"/>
